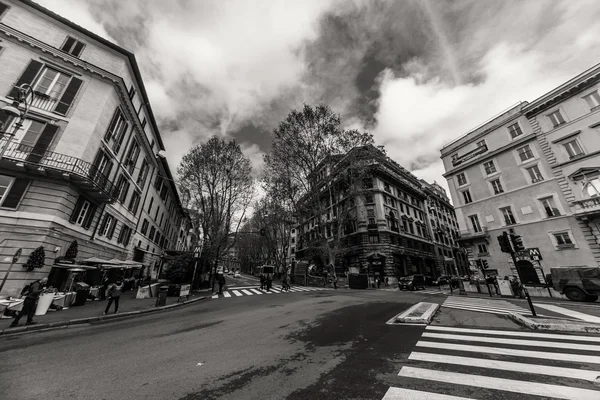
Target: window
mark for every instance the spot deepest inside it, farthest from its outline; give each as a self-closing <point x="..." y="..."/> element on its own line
<point x="134" y="202"/>
<point x="509" y="218"/>
<point x="592" y="187"/>
<point x="132" y="156"/>
<point x="556" y="118"/>
<point x="116" y="131"/>
<point x="152" y="232"/>
<point x="3" y="8"/>
<point x="481" y="143"/>
<point x="131" y="92"/>
<point x="108" y="226"/>
<point x="467" y="197"/>
<point x="124" y="235"/>
<point x="497" y="186"/>
<point x="144" y="229"/>
<point x="535" y="174"/>
<point x="563" y="239"/>
<point x="462" y="179"/>
<point x="121" y="188"/>
<point x="103" y="164"/>
<point x="515" y="130"/>
<point x="12" y="190"/>
<point x="144" y="123"/>
<point x="5" y="183"/>
<point x="72" y="46"/>
<point x="489" y="167"/>
<point x="373" y="239"/>
<point x="386" y="187"/>
<point x="474" y="219"/>
<point x="51" y="83"/>
<point x="525" y="153"/>
<point x="573" y="148"/>
<point x="593" y="100"/>
<point x="150" y="205"/>
<point x="369" y="199"/>
<point x="482" y="248"/>
<point x="550" y="207"/>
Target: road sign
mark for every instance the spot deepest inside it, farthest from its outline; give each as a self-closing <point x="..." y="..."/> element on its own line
<point x="17" y="255"/>
<point x="533" y="254"/>
<point x="185" y="290"/>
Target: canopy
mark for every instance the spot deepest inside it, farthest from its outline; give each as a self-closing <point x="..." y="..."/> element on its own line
<point x="73" y="267"/>
<point x="116" y="263"/>
<point x="96" y="260"/>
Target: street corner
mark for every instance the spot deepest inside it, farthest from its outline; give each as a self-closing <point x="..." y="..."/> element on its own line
<point x="545" y="323"/>
<point x="420" y="314"/>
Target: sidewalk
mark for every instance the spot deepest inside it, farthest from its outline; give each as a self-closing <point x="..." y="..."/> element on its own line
<point x="92" y="311"/>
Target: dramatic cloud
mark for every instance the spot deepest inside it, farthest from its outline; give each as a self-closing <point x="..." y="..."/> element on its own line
<point x="417" y="73"/>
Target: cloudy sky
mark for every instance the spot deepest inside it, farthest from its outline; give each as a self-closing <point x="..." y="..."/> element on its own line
<point x="415" y="73"/>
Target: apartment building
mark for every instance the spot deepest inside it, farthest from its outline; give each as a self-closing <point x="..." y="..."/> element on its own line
<point x="388" y="237"/>
<point x="566" y="122"/>
<point x="443" y="225"/>
<point x="83" y="164"/>
<point x="501" y="180"/>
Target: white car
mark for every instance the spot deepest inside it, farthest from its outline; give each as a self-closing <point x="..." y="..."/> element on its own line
<point x="237" y="274"/>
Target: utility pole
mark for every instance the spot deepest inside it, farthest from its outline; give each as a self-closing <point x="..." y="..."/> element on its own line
<point x="512" y="244"/>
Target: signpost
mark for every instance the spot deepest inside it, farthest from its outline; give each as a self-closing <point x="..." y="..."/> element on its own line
<point x="184" y="292"/>
<point x="15" y="258"/>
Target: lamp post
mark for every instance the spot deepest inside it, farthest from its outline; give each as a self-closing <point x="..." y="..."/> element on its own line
<point x="24" y="91"/>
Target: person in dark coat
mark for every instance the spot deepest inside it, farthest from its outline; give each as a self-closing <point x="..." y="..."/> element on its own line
<point x="114" y="294"/>
<point x="103" y="288"/>
<point x="221" y="280"/>
<point x="262" y="281"/>
<point x="30" y="303"/>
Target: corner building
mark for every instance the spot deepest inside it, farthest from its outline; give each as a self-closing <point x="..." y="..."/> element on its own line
<point x="84" y="164"/>
<point x="390" y="236"/>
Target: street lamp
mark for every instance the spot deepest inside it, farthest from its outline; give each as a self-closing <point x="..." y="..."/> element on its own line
<point x="24" y="91"/>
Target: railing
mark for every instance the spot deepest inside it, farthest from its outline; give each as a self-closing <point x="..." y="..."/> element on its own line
<point x="60" y="162"/>
<point x="587" y="205"/>
<point x="469" y="233"/>
<point x="43" y="101"/>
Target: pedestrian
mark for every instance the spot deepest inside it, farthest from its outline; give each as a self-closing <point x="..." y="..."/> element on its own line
<point x="114" y="294"/>
<point x="386" y="281"/>
<point x="221" y="280"/>
<point x="269" y="281"/>
<point x="103" y="288"/>
<point x="262" y="281"/>
<point x="378" y="282"/>
<point x="334" y="279"/>
<point x="32" y="294"/>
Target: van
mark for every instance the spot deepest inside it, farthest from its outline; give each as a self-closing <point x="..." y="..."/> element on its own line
<point x="412" y="282"/>
<point x="577" y="283"/>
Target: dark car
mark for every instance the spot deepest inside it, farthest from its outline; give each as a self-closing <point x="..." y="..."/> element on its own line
<point x="412" y="282"/>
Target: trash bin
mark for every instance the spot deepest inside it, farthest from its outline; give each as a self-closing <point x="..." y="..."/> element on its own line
<point x="83" y="290"/>
<point x="161" y="299"/>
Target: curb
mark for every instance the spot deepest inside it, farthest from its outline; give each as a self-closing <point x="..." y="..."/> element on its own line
<point x="561" y="325"/>
<point x="424" y="319"/>
<point x="89" y="320"/>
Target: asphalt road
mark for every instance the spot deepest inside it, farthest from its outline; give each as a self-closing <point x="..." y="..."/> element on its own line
<point x="313" y="345"/>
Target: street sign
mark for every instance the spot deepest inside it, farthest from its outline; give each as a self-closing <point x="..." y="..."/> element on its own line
<point x="17" y="255"/>
<point x="529" y="254"/>
<point x="185" y="290"/>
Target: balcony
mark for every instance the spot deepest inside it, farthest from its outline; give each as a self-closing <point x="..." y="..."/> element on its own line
<point x="80" y="173"/>
<point x="586" y="207"/>
<point x="472" y="234"/>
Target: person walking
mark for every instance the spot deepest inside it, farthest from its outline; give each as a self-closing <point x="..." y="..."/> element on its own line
<point x="262" y="281"/>
<point x="32" y="294"/>
<point x="269" y="281"/>
<point x="221" y="280"/>
<point x="286" y="283"/>
<point x="104" y="288"/>
<point x="114" y="294"/>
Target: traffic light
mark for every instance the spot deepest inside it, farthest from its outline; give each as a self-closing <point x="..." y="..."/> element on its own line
<point x="478" y="263"/>
<point x="504" y="243"/>
<point x="517" y="242"/>
<point x="484" y="264"/>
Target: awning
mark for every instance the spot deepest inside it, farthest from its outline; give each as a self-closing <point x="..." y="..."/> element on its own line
<point x="115" y="263"/>
<point x="96" y="260"/>
<point x="78" y="267"/>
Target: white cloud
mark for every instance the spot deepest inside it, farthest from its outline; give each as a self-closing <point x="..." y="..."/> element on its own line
<point x="77" y="12"/>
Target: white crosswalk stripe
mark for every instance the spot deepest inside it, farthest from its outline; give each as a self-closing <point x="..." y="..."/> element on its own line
<point x="501" y="307"/>
<point x="248" y="291"/>
<point x="450" y="361"/>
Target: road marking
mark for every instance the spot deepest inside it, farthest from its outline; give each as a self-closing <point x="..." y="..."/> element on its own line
<point x="249" y="293"/>
<point x="478" y="309"/>
<point x="518" y="342"/>
<point x="215" y="296"/>
<point x="570" y="313"/>
<point x="514" y="333"/>
<point x="295" y="289"/>
<point x="236" y="293"/>
<point x="276" y="290"/>
<point x="256" y="291"/>
<point x="507" y="366"/>
<point x="508" y="385"/>
<point x="545" y="355"/>
<point x="394" y="393"/>
<point x="226" y="294"/>
<point x="483" y="306"/>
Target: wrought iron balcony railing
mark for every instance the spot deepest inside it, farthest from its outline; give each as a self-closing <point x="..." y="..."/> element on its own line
<point x="85" y="172"/>
<point x="587" y="206"/>
<point x="473" y="233"/>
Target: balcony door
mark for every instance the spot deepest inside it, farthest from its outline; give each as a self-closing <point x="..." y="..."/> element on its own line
<point x="31" y="140"/>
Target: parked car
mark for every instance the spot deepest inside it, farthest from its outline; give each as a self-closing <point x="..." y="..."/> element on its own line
<point x="577" y="283"/>
<point x="412" y="282"/>
<point x="237" y="274"/>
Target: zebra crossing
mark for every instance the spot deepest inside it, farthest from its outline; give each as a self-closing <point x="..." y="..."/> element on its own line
<point x="448" y="362"/>
<point x="253" y="291"/>
<point x="500" y="307"/>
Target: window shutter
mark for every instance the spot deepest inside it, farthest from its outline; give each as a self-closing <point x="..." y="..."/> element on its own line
<point x="13" y="198"/>
<point x="3" y="7"/>
<point x="121" y="136"/>
<point x="27" y="77"/>
<point x="77" y="209"/>
<point x="121" y="233"/>
<point x="111" y="231"/>
<point x="89" y="217"/>
<point x="68" y="44"/>
<point x="68" y="96"/>
<point x="77" y="50"/>
<point x="111" y="126"/>
<point x="103" y="225"/>
<point x="42" y="144"/>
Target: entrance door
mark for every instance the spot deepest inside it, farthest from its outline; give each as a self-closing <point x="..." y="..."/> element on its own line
<point x="527" y="273"/>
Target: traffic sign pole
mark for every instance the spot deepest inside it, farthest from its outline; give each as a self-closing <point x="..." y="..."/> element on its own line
<point x="15" y="258"/>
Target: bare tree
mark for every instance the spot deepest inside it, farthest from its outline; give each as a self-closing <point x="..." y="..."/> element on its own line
<point x="216" y="177"/>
